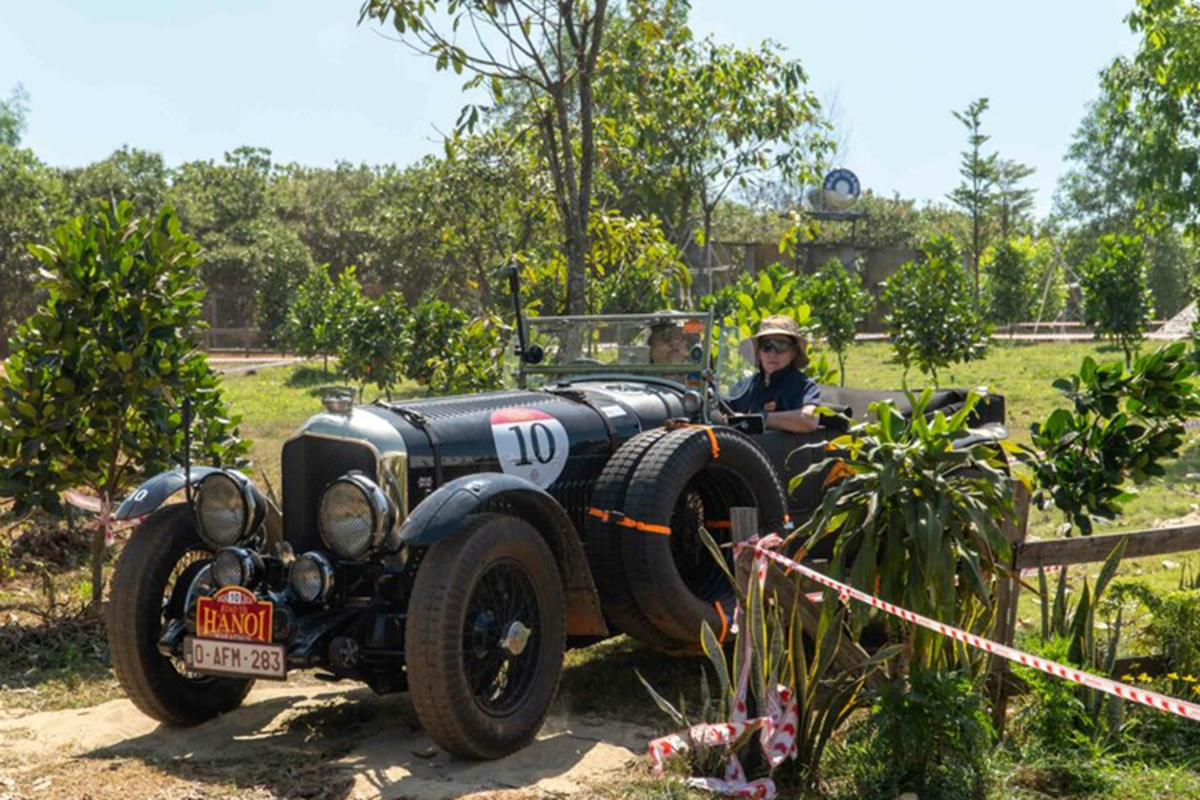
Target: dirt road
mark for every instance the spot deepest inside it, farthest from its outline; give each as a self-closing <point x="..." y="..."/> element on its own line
<point x="321" y="742"/>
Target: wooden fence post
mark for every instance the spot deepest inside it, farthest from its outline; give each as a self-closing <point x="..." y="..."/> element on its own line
<point x="1008" y="593"/>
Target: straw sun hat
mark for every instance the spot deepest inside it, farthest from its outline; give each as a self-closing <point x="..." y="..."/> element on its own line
<point x="778" y="325"/>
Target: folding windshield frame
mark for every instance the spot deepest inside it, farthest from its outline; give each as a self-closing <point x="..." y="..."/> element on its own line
<point x="704" y="368"/>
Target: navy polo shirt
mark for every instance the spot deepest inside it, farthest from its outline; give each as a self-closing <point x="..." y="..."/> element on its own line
<point x="786" y="390"/>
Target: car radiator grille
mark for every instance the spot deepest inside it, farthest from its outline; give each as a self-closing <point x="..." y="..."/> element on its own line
<point x="310" y="463"/>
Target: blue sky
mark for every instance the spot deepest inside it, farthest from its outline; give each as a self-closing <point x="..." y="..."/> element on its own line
<point x="194" y="79"/>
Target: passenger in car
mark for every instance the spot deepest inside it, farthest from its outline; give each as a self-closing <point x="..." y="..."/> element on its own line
<point x="668" y="343"/>
<point x="780" y="391"/>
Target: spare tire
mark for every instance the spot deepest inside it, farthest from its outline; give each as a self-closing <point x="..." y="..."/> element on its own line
<point x="689" y="478"/>
<point x="602" y="540"/>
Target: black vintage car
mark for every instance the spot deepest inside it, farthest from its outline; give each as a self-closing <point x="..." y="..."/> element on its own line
<point x="453" y="547"/>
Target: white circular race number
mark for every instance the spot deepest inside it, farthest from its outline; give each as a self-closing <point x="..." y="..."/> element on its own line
<point x="530" y="444"/>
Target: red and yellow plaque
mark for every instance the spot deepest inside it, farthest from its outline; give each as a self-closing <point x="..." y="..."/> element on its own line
<point x="234" y="614"/>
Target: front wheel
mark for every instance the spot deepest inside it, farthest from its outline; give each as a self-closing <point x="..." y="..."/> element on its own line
<point x="485" y="637"/>
<point x="162" y="570"/>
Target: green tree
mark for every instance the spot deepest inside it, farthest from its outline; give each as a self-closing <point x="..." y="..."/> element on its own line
<point x="231" y="209"/>
<point x="632" y="268"/>
<point x="1157" y="94"/>
<point x="979" y="173"/>
<point x="1100" y="195"/>
<point x="13" y="113"/>
<point x="32" y="203"/>
<point x="932" y="321"/>
<point x="317" y="318"/>
<point x="374" y="342"/>
<point x="92" y="388"/>
<point x="1014" y="202"/>
<point x="449" y="352"/>
<point x="840" y="304"/>
<point x="1011" y="291"/>
<point x="139" y="176"/>
<point x="687" y="122"/>
<point x="1116" y="299"/>
<point x="546" y="55"/>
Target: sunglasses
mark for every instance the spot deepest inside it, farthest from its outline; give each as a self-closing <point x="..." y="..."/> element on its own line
<point x="775" y="346"/>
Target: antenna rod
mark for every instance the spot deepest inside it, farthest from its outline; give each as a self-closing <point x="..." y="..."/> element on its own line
<point x="514" y="287"/>
<point x="187" y="448"/>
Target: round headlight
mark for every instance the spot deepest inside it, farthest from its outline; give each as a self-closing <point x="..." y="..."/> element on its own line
<point x="311" y="577"/>
<point x="228" y="509"/>
<point x="355" y="516"/>
<point x="236" y="566"/>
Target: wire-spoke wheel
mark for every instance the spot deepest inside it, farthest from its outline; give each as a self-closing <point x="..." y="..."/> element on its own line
<point x="485" y="637"/>
<point x="162" y="571"/>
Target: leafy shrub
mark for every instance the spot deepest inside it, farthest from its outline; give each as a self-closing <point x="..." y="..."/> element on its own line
<point x="449" y="352"/>
<point x="91" y="389"/>
<point x="321" y="311"/>
<point x="914" y="520"/>
<point x="932" y="737"/>
<point x="1011" y="293"/>
<point x="373" y="342"/>
<point x="1122" y="425"/>
<point x="840" y="304"/>
<point x="933" y="321"/>
<point x="1173" y="630"/>
<point x="781" y="653"/>
<point x="1116" y="297"/>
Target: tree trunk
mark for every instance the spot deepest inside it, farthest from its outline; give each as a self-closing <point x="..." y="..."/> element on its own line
<point x="99" y="542"/>
<point x="841" y="367"/>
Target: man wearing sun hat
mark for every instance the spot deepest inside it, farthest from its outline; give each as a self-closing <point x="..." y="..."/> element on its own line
<point x="780" y="391"/>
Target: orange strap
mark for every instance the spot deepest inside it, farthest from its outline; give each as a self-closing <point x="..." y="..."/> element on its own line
<point x="627" y="522"/>
<point x="724" y="622"/>
<point x="719" y="524"/>
<point x="712" y="437"/>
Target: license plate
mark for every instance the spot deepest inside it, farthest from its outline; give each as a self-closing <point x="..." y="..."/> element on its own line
<point x="235" y="659"/>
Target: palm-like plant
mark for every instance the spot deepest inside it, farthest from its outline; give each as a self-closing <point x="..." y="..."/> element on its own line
<point x="915" y="505"/>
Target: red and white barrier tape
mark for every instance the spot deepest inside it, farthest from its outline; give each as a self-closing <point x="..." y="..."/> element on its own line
<point x="1124" y="691"/>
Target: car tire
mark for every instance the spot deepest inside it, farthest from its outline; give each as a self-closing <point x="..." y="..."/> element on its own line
<point x="470" y="591"/>
<point x="602" y="540"/>
<point x="154" y="575"/>
<point x="715" y="468"/>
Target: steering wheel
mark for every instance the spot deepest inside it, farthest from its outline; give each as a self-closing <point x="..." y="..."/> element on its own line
<point x="585" y="360"/>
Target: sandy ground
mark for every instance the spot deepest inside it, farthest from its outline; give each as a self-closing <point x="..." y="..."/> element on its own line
<point x="321" y="742"/>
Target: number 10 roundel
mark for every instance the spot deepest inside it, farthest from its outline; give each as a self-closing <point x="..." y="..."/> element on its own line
<point x="530" y="444"/>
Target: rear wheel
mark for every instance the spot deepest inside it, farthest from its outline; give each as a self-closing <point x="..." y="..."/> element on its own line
<point x="485" y="637"/>
<point x="161" y="572"/>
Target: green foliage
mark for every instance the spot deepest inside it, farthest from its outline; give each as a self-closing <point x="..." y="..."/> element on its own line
<point x="1122" y="425"/>
<point x="12" y="116"/>
<point x="840" y="304"/>
<point x="782" y="654"/>
<point x="932" y="321"/>
<point x="979" y="173"/>
<point x="1173" y="630"/>
<point x="1116" y="299"/>
<point x="321" y="311"/>
<point x="92" y="386"/>
<point x="1011" y="291"/>
<point x="129" y="174"/>
<point x="682" y="122"/>
<point x="449" y="352"/>
<point x="776" y="290"/>
<point x="933" y="737"/>
<point x="916" y="521"/>
<point x="373" y="341"/>
<point x="632" y="268"/>
<point x="32" y="203"/>
<point x="1157" y="97"/>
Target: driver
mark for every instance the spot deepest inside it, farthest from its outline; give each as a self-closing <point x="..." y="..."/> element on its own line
<point x="780" y="391"/>
<point x="668" y="343"/>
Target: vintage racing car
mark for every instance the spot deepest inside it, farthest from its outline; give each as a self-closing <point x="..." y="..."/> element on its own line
<point x="453" y="547"/>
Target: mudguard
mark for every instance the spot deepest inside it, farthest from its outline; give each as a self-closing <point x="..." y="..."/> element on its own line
<point x="154" y="492"/>
<point x="443" y="512"/>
